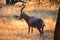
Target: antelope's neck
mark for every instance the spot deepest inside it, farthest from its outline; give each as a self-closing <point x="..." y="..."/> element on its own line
<point x="26" y="18"/>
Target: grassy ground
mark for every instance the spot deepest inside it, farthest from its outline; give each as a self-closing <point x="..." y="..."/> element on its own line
<point x="13" y="29"/>
<point x="22" y="34"/>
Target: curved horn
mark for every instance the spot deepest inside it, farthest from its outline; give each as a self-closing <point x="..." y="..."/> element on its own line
<point x="23" y="6"/>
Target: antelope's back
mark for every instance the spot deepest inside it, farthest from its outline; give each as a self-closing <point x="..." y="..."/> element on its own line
<point x="36" y="21"/>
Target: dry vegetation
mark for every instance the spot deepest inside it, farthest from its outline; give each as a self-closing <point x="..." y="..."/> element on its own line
<point x="13" y="29"/>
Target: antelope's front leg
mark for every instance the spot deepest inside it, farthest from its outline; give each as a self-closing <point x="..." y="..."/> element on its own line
<point x="31" y="29"/>
<point x="28" y="30"/>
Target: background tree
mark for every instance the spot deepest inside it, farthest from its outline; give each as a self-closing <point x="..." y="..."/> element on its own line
<point x="29" y="0"/>
<point x="38" y="1"/>
<point x="7" y="2"/>
<point x="12" y="1"/>
<point x="57" y="29"/>
<point x="15" y="1"/>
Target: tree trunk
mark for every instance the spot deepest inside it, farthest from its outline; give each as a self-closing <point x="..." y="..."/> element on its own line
<point x="38" y="1"/>
<point x="57" y="28"/>
<point x="12" y="1"/>
<point x="7" y="2"/>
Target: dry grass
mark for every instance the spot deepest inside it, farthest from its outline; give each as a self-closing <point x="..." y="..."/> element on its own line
<point x="12" y="29"/>
<point x="12" y="32"/>
<point x="18" y="30"/>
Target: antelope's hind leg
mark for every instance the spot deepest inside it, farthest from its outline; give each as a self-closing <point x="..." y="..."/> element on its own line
<point x="41" y="32"/>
